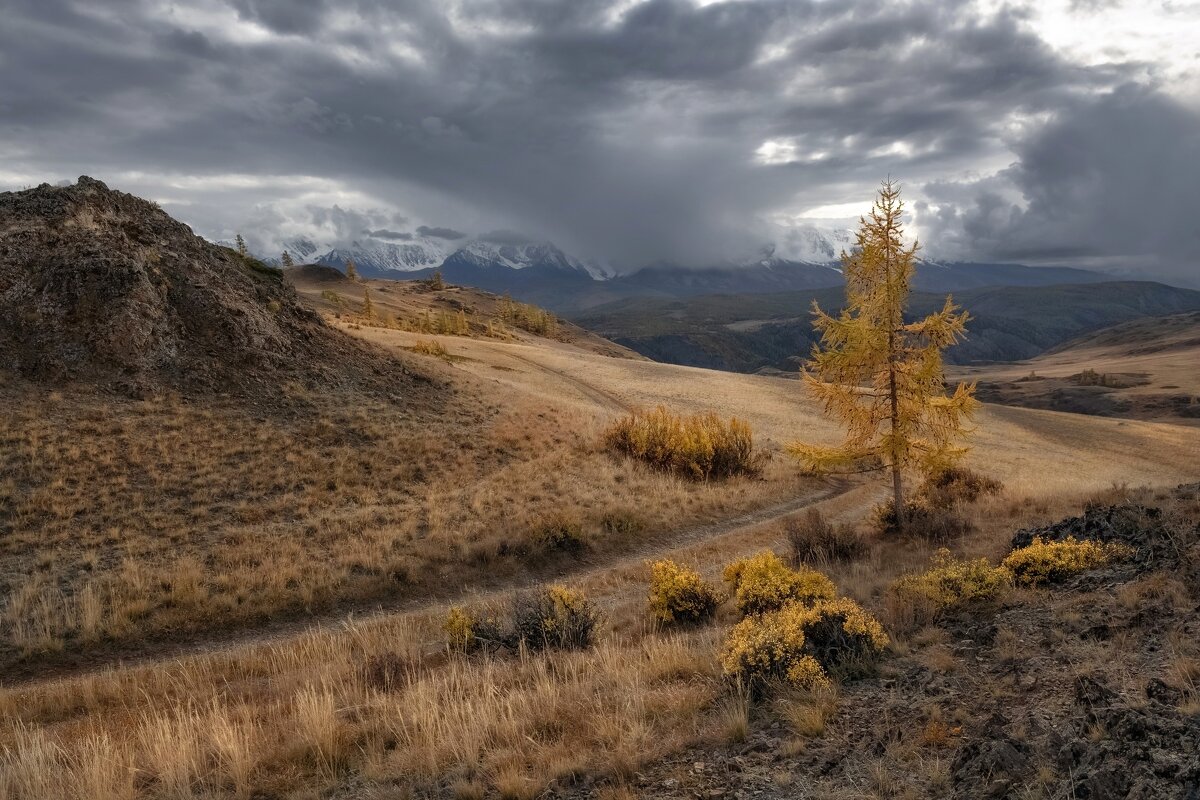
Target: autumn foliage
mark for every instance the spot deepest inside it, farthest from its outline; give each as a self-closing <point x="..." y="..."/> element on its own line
<point x="699" y="446"/>
<point x="880" y="375"/>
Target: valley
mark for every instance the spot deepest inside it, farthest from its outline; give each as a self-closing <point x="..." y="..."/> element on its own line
<point x="1144" y="369"/>
<point x="241" y="578"/>
<point x="769" y="332"/>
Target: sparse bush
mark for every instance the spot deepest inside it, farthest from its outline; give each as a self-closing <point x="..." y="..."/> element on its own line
<point x="922" y="597"/>
<point x="802" y="644"/>
<point x="467" y="632"/>
<point x="814" y="539"/>
<point x="699" y="446"/>
<point x="678" y="594"/>
<point x="333" y="297"/>
<point x="938" y="525"/>
<point x="554" y="618"/>
<point x="460" y="629"/>
<point x="1050" y="562"/>
<point x="763" y="583"/>
<point x="622" y="523"/>
<point x="560" y="532"/>
<point x="956" y="485"/>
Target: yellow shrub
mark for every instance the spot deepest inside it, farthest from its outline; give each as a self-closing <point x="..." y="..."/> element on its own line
<point x="1047" y="562"/>
<point x="763" y="583"/>
<point x="700" y="446"/>
<point x="801" y="644"/>
<point x="460" y="630"/>
<point x="554" y="618"/>
<point x="949" y="582"/>
<point x="467" y="632"/>
<point x="678" y="594"/>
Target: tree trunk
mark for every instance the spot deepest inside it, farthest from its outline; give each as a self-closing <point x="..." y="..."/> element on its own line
<point x="898" y="497"/>
<point x="897" y="488"/>
<point x="896" y="318"/>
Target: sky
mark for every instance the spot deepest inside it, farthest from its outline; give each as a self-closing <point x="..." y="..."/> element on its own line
<point x="627" y="131"/>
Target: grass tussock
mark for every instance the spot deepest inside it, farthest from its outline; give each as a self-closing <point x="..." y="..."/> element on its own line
<point x="698" y="446"/>
<point x="763" y="583"/>
<point x="679" y="595"/>
<point x="431" y="347"/>
<point x="1050" y="562"/>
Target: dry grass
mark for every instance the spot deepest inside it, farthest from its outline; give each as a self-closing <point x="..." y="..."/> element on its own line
<point x="128" y="520"/>
<point x="302" y="713"/>
<point x="699" y="446"/>
<point x="123" y="520"/>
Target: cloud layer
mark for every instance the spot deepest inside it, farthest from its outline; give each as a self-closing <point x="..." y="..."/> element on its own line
<point x="627" y="131"/>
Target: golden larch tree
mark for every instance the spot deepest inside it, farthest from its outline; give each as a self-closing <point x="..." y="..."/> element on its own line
<point x="882" y="377"/>
<point x="368" y="306"/>
<point x="351" y="270"/>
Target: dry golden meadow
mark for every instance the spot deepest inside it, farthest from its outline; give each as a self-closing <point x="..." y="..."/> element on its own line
<point x="214" y="598"/>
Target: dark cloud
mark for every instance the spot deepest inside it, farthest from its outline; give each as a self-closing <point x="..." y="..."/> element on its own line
<point x="661" y="130"/>
<point x="1110" y="181"/>
<point x="384" y="233"/>
<point x="440" y="233"/>
<point x="506" y="238"/>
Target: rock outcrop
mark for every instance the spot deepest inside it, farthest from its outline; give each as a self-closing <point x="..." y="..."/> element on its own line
<point x="98" y="286"/>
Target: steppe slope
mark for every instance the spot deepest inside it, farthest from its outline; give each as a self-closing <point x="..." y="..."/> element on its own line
<point x="1145" y="369"/>
<point x="241" y="528"/>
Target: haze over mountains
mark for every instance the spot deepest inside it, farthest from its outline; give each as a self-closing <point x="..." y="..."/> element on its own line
<point x="542" y="273"/>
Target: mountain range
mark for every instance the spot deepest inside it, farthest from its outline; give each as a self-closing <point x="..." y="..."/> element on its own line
<point x="542" y="273"/>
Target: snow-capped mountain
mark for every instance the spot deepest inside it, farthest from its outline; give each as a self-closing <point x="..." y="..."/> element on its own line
<point x="371" y="255"/>
<point x="810" y="244"/>
<point x="386" y="256"/>
<point x="481" y="254"/>
<point x="382" y="258"/>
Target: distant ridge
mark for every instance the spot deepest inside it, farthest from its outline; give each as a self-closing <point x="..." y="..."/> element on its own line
<point x="770" y="332"/>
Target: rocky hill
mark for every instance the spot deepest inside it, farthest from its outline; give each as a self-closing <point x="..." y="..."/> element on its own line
<point x="99" y="286"/>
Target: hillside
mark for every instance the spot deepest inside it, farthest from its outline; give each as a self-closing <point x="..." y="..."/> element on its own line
<point x="749" y="333"/>
<point x="103" y="288"/>
<point x="421" y="306"/>
<point x="1144" y="369"/>
<point x="460" y="510"/>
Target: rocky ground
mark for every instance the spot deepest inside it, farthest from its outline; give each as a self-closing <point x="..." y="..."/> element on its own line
<point x="1087" y="689"/>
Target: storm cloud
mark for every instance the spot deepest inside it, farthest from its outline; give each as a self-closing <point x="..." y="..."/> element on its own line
<point x="630" y="132"/>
